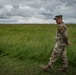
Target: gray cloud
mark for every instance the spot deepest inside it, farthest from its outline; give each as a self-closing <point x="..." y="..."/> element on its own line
<point x="36" y="11"/>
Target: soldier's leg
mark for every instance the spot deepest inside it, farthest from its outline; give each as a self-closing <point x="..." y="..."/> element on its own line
<point x="55" y="54"/>
<point x="64" y="58"/>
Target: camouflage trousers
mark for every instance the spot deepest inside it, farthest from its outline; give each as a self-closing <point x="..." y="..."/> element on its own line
<point x="59" y="51"/>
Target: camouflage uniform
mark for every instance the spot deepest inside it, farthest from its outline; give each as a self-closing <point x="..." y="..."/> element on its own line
<point x="60" y="47"/>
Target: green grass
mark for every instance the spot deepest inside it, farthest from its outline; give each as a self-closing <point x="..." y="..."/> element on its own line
<point x="23" y="48"/>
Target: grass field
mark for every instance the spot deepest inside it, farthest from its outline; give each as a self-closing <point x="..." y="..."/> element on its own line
<point x="23" y="48"/>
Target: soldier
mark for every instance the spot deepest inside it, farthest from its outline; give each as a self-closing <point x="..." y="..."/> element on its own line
<point x="60" y="46"/>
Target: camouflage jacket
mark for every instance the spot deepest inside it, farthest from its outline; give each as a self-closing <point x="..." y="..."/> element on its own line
<point x="61" y="35"/>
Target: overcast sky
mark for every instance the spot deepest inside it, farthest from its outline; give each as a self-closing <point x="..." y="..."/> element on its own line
<point x="37" y="11"/>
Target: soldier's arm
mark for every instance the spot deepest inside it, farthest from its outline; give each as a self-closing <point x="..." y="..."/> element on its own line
<point x="65" y="38"/>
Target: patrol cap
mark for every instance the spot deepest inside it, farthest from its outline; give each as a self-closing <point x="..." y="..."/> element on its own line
<point x="57" y="17"/>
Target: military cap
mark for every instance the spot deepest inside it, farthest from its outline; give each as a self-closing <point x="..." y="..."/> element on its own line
<point x="57" y="17"/>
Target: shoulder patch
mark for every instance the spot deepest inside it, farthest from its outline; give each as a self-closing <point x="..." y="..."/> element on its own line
<point x="61" y="28"/>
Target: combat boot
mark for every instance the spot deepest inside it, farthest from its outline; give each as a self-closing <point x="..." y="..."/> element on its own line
<point x="65" y="70"/>
<point x="45" y="68"/>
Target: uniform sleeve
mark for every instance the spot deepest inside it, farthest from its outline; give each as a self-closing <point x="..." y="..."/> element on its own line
<point x="63" y="31"/>
<point x="65" y="35"/>
<point x="65" y="39"/>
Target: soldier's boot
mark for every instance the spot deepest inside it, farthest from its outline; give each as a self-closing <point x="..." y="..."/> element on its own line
<point x="65" y="70"/>
<point x="45" y="68"/>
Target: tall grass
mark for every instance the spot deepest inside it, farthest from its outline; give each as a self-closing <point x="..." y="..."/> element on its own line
<point x="24" y="47"/>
